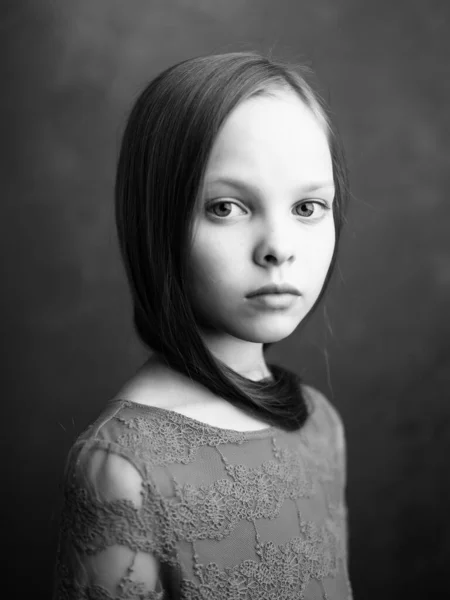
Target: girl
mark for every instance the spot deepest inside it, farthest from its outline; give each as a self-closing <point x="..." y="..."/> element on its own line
<point x="212" y="474"/>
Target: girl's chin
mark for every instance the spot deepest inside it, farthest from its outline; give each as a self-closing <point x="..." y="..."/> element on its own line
<point x="268" y="333"/>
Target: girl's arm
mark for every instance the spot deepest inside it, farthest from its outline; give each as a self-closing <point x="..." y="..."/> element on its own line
<point x="105" y="540"/>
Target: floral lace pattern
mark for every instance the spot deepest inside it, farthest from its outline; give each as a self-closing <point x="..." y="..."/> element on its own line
<point x="250" y="493"/>
<point x="127" y="589"/>
<point x="307" y="477"/>
<point x="281" y="573"/>
<point x="171" y="438"/>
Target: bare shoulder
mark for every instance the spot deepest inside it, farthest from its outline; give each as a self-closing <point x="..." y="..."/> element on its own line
<point x="156" y="385"/>
<point x="112" y="476"/>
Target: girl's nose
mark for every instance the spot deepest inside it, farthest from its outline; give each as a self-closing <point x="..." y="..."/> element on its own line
<point x="276" y="248"/>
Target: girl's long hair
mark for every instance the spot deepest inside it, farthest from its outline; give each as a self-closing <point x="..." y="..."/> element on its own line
<point x="165" y="147"/>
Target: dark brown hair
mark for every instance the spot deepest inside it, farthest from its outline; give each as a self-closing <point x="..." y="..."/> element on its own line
<point x="165" y="148"/>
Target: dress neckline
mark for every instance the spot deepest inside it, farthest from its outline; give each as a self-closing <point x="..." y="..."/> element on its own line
<point x="196" y="423"/>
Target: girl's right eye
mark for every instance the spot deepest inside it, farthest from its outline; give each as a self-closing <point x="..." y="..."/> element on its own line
<point x="221" y="204"/>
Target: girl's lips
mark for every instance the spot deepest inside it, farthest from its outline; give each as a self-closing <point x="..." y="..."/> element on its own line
<point x="274" y="301"/>
<point x="282" y="288"/>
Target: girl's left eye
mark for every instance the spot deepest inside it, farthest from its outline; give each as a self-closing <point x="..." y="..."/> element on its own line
<point x="309" y="208"/>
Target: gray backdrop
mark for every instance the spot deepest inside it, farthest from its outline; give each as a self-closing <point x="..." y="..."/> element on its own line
<point x="379" y="346"/>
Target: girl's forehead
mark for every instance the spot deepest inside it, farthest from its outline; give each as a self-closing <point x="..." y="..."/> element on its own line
<point x="272" y="134"/>
<point x="274" y="108"/>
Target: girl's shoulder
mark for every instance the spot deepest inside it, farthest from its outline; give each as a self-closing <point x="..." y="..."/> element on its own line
<point x="325" y="417"/>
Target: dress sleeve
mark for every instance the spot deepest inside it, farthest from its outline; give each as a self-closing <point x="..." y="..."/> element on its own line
<point x="341" y="460"/>
<point x="333" y="429"/>
<point x="106" y="541"/>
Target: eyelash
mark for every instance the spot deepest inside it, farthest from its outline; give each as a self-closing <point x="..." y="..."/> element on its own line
<point x="326" y="207"/>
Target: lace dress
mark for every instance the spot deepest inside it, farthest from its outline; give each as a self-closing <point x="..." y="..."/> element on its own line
<point x="210" y="513"/>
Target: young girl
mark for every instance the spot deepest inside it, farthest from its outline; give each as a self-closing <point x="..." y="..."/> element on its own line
<point x="212" y="474"/>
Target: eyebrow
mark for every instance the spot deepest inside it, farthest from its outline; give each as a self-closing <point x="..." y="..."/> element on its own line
<point x="313" y="186"/>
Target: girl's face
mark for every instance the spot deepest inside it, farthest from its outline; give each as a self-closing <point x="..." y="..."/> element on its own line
<point x="264" y="217"/>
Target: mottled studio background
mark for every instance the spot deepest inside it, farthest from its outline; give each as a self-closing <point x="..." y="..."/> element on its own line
<point x="69" y="71"/>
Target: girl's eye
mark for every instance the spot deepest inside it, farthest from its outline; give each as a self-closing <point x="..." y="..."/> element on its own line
<point x="223" y="208"/>
<point x="309" y="209"/>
